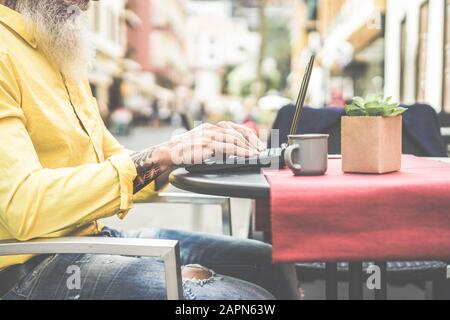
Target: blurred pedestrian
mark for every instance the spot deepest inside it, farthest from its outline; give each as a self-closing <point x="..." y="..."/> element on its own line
<point x="154" y="117"/>
<point x="121" y="120"/>
<point x="202" y="113"/>
<point x="337" y="99"/>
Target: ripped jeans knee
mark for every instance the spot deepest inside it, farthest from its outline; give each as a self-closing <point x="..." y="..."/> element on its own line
<point x="201" y="283"/>
<point x="195" y="276"/>
<point x="195" y="272"/>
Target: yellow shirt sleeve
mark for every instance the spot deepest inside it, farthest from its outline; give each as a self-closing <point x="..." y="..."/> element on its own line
<point x="37" y="201"/>
<point x="112" y="147"/>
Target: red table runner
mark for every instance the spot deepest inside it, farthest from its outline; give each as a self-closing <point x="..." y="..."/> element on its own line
<point x="351" y="217"/>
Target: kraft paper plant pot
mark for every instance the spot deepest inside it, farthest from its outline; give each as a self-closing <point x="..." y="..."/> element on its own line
<point x="371" y="144"/>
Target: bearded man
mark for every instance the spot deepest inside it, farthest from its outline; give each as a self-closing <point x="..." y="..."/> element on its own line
<point x="62" y="171"/>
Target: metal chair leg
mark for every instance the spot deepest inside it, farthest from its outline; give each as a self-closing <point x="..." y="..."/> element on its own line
<point x="196" y="199"/>
<point x="356" y="281"/>
<point x="331" y="280"/>
<point x="172" y="267"/>
<point x="440" y="288"/>
<point x="227" y="227"/>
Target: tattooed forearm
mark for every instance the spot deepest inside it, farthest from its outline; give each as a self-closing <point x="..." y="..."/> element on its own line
<point x="148" y="170"/>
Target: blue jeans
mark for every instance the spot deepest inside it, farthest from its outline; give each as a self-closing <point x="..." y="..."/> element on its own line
<point x="241" y="270"/>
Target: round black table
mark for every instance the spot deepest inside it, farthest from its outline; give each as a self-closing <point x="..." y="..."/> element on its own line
<point x="244" y="184"/>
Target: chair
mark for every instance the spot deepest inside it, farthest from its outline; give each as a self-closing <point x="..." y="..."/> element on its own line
<point x="421" y="132"/>
<point x="421" y="137"/>
<point x="167" y="250"/>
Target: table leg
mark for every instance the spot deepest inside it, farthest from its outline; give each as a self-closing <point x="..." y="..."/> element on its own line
<point x="261" y="215"/>
<point x="260" y="227"/>
<point x="356" y="281"/>
<point x="331" y="280"/>
<point x="440" y="288"/>
<point x="381" y="294"/>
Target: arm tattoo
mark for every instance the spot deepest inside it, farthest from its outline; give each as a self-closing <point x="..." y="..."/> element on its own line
<point x="147" y="169"/>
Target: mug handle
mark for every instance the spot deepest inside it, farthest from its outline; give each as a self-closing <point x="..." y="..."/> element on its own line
<point x="296" y="168"/>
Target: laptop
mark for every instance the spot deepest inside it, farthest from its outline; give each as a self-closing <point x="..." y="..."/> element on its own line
<point x="269" y="158"/>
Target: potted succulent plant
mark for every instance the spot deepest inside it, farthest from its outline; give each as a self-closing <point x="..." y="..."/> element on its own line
<point x="372" y="136"/>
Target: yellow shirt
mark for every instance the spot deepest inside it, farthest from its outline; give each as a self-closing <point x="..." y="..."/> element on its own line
<point x="60" y="169"/>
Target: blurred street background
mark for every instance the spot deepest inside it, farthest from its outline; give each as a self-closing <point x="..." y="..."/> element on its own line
<point x="172" y="62"/>
<point x="163" y="65"/>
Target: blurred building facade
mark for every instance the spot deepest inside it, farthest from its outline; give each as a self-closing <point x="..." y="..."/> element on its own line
<point x="348" y="38"/>
<point x="107" y="21"/>
<point x="248" y="9"/>
<point x="216" y="40"/>
<point x="158" y="45"/>
<point x="418" y="53"/>
<point x="396" y="47"/>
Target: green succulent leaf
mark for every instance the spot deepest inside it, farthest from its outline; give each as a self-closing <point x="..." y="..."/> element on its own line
<point x="398" y="111"/>
<point x="358" y="101"/>
<point x="374" y="106"/>
<point x="389" y="109"/>
<point x="354" y="111"/>
<point x="376" y="111"/>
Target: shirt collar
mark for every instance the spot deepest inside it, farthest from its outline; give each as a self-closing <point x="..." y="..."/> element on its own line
<point x="16" y="22"/>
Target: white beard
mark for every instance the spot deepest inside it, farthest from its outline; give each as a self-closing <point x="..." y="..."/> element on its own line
<point x="61" y="35"/>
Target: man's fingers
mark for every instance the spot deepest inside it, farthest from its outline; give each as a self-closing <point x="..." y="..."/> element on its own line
<point x="244" y="134"/>
<point x="231" y="149"/>
<point x="231" y="136"/>
<point x="239" y="134"/>
<point x="191" y="152"/>
<point x="247" y="133"/>
<point x="199" y="153"/>
<point x="208" y="140"/>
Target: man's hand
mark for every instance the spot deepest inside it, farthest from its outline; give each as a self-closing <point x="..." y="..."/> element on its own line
<point x="193" y="147"/>
<point x="208" y="140"/>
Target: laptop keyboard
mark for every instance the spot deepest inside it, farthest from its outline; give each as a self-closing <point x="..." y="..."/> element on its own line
<point x="267" y="158"/>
